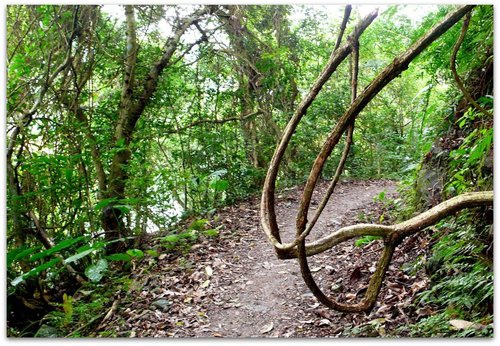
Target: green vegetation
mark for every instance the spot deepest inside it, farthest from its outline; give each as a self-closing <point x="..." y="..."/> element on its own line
<point x="146" y="121"/>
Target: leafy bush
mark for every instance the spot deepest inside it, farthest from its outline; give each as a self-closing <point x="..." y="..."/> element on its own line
<point x="183" y="240"/>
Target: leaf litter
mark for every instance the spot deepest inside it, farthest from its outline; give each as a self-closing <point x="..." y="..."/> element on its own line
<point x="234" y="286"/>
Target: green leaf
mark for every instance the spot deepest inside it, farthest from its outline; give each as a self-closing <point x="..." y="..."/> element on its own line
<point x="59" y="246"/>
<point x="152" y="253"/>
<point x="68" y="308"/>
<point x="135" y="253"/>
<point x="104" y="203"/>
<point x="120" y="143"/>
<point x="77" y="203"/>
<point x="219" y="184"/>
<point x="85" y="251"/>
<point x="68" y="174"/>
<point x="118" y="257"/>
<point x="189" y="234"/>
<point x="125" y="209"/>
<point x="96" y="245"/>
<point x="367" y="239"/>
<point x="19" y="253"/>
<point x="96" y="271"/>
<point x="485" y="100"/>
<point x="78" y="256"/>
<point x="211" y="232"/>
<point x="198" y="224"/>
<point x="35" y="271"/>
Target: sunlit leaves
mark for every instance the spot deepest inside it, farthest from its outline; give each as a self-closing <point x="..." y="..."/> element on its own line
<point x="95" y="272"/>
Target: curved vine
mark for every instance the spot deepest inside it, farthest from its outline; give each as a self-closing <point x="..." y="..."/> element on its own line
<point x="392" y="235"/>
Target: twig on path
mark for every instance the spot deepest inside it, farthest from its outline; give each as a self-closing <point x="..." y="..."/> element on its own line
<point x="110" y="313"/>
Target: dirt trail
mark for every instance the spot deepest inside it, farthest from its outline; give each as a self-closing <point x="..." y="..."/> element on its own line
<point x="270" y="290"/>
<point x="236" y="287"/>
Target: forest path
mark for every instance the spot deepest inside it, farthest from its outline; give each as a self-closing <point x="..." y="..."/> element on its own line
<point x="234" y="286"/>
<point x="268" y="291"/>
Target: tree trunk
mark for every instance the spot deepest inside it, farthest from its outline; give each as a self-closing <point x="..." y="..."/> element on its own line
<point x="132" y="106"/>
<point x="256" y="137"/>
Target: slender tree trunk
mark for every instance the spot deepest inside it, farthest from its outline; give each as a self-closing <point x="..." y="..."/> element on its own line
<point x="256" y="137"/>
<point x="132" y="105"/>
<point x="15" y="210"/>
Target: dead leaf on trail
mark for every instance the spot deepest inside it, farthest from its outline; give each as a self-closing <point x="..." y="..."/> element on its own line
<point x="307" y="322"/>
<point x="462" y="324"/>
<point x="313" y="306"/>
<point x="235" y="261"/>
<point x="425" y="311"/>
<point x="217" y="262"/>
<point x="209" y="271"/>
<point x="418" y="286"/>
<point x="324" y="322"/>
<point x="267" y="328"/>
<point x="380" y="320"/>
<point x="355" y="275"/>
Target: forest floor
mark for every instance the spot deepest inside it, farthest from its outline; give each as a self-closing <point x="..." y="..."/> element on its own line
<point x="234" y="286"/>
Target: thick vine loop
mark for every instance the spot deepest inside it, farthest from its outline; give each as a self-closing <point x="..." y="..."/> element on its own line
<point x="392" y="235"/>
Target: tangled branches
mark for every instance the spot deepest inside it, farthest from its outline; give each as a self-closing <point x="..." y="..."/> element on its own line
<point x="392" y="235"/>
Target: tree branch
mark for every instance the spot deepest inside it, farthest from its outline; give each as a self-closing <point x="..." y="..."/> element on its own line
<point x="347" y="13"/>
<point x="151" y="81"/>
<point x="27" y="117"/>
<point x="212" y="121"/>
<point x="393" y="235"/>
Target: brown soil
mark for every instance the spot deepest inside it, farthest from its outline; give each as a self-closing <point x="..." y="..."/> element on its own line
<point x="234" y="286"/>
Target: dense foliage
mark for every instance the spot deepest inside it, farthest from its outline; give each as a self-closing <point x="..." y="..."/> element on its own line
<point x="109" y="138"/>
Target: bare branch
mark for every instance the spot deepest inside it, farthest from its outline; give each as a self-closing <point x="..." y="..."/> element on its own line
<point x="213" y="121"/>
<point x="347" y="13"/>
<point x="393" y="235"/>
